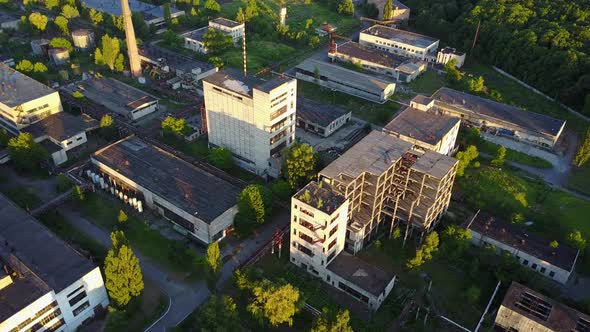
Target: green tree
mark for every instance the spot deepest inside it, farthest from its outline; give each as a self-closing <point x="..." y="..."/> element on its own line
<point x="219" y="314"/>
<point x="500" y="155"/>
<point x="212" y="6"/>
<point x="69" y="11"/>
<point x="167" y="15"/>
<point x="63" y="183"/>
<point x="425" y="252"/>
<point x="397" y="233"/>
<point x="62" y="24"/>
<point x="282" y="190"/>
<point x="98" y="58"/>
<point x="300" y="165"/>
<point x="120" y="63"/>
<point x="554" y="244"/>
<point x="583" y="154"/>
<point x="577" y="240"/>
<point x="107" y="127"/>
<point x="259" y="199"/>
<point x="455" y="242"/>
<point x="472" y="294"/>
<point x="346" y="7"/>
<point x="388" y="10"/>
<point x="24" y="66"/>
<point x="109" y="51"/>
<point x="95" y="16"/>
<point x="452" y="73"/>
<point x="213" y="263"/>
<point x="221" y="158"/>
<point x="38" y="21"/>
<point x="78" y="193"/>
<point x="174" y="126"/>
<point x="251" y="10"/>
<point x="274" y="303"/>
<point x="465" y="158"/>
<point x="39" y="67"/>
<point x="122" y="218"/>
<point x="476" y="84"/>
<point x="217" y="41"/>
<point x="77" y="94"/>
<point x="240" y="16"/>
<point x="25" y="153"/>
<point x="124" y="279"/>
<point x="50" y="4"/>
<point x="142" y="30"/>
<point x="329" y="322"/>
<point x="118" y="239"/>
<point x="4" y="138"/>
<point x="59" y="42"/>
<point x="172" y="39"/>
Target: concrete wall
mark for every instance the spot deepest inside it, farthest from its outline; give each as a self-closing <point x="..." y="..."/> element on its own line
<point x="327" y="131"/>
<point x="561" y="275"/>
<point x="96" y="296"/>
<point x="351" y="90"/>
<point x="374" y="302"/>
<point x="371" y="66"/>
<point x="30" y="112"/>
<point x="507" y="318"/>
<point x="138" y="113"/>
<point x="397" y="47"/>
<point x="236" y="32"/>
<point x="195" y="45"/>
<point x="444" y="58"/>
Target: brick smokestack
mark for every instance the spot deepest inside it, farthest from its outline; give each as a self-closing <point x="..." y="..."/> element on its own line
<point x="134" y="62"/>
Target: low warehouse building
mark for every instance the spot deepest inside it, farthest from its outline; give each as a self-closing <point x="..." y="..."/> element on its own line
<point x="378" y="61"/>
<point x="195" y="40"/>
<point x="174" y="188"/>
<point x="45" y="285"/>
<point x="529" y="249"/>
<point x="429" y="130"/>
<point x="447" y="54"/>
<point x="524" y="309"/>
<point x="400" y="42"/>
<point x="117" y="97"/>
<point x="320" y="118"/>
<point x="501" y="119"/>
<point x="345" y="80"/>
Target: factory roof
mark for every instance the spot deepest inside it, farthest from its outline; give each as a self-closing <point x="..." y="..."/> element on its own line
<point x="370" y="54"/>
<point x="148" y="10"/>
<point x="198" y="34"/>
<point x="17" y="88"/>
<point x="426" y="126"/>
<point x="187" y="187"/>
<point x="235" y="81"/>
<point x="563" y="256"/>
<point x="534" y="122"/>
<point x="450" y="50"/>
<point x="321" y="114"/>
<point x="61" y="126"/>
<point x="544" y="310"/>
<point x="113" y="94"/>
<point x="360" y="273"/>
<point x="49" y="146"/>
<point x="422" y="100"/>
<point x="173" y="59"/>
<point x="226" y="22"/>
<point x="410" y="66"/>
<point x="378" y="151"/>
<point x="339" y="74"/>
<point x="320" y="196"/>
<point x="400" y="36"/>
<point x="53" y="263"/>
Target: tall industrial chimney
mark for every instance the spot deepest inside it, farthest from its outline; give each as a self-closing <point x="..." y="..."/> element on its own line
<point x="134" y="62"/>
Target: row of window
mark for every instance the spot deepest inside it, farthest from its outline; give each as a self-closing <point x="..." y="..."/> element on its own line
<point x="534" y="266"/>
<point x="400" y="47"/>
<point x="46" y="309"/>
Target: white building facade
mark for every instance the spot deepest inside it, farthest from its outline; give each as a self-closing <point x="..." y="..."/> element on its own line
<point x="16" y="117"/>
<point x="400" y="42"/>
<point x="255" y="120"/>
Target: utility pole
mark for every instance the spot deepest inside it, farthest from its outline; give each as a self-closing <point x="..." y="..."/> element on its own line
<point x="476" y="34"/>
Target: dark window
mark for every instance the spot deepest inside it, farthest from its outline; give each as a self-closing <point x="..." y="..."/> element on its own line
<point x="543" y="270"/>
<point x="81" y="308"/>
<point x="330" y="257"/>
<point x="525" y="262"/>
<point x="552" y="274"/>
<point x="534" y="266"/>
<point x="75" y="291"/>
<point x="176" y="218"/>
<point x="56" y="326"/>
<point x="48" y="308"/>
<point x="77" y="298"/>
<point x="332" y="244"/>
<point x="306" y="238"/>
<point x="305" y="250"/>
<point x="334" y="230"/>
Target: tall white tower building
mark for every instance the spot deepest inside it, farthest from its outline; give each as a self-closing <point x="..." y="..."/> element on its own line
<point x="253" y="118"/>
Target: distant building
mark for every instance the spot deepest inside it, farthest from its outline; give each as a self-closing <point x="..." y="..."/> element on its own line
<point x="378" y="61"/>
<point x="152" y="14"/>
<point x="320" y="119"/>
<point x="400" y="42"/>
<point x="345" y="80"/>
<point x="400" y="12"/>
<point x="83" y="39"/>
<point x="529" y="249"/>
<point x="253" y="118"/>
<point x="325" y="29"/>
<point x="524" y="309"/>
<point x="447" y="54"/>
<point x="62" y="132"/>
<point x="500" y="119"/>
<point x="318" y="231"/>
<point x="198" y="203"/>
<point x="427" y="129"/>
<point x="116" y="96"/>
<point x="23" y="100"/>
<point x="195" y="40"/>
<point x="44" y="283"/>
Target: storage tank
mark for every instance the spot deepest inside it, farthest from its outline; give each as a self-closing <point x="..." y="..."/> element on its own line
<point x="59" y="56"/>
<point x="40" y="46"/>
<point x="83" y="39"/>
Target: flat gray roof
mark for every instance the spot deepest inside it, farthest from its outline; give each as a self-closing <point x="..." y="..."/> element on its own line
<point x="17" y="88"/>
<point x="371" y="54"/>
<point x="360" y="273"/>
<point x="321" y="114"/>
<point x="113" y="94"/>
<point x="235" y="81"/>
<point x="227" y="22"/>
<point x="61" y="126"/>
<point x="55" y="264"/>
<point x="339" y="74"/>
<point x="198" y="34"/>
<point x="173" y="59"/>
<point x="321" y="191"/>
<point x="531" y="121"/>
<point x="400" y="36"/>
<point x="189" y="188"/>
<point x="426" y="126"/>
<point x="114" y="8"/>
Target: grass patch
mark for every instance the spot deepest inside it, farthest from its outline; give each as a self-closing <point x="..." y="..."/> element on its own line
<point x="173" y="255"/>
<point x="198" y="148"/>
<point x="515" y="156"/>
<point x="379" y="114"/>
<point x="23" y="197"/>
<point x="261" y="54"/>
<point x="427" y="83"/>
<point x="579" y="179"/>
